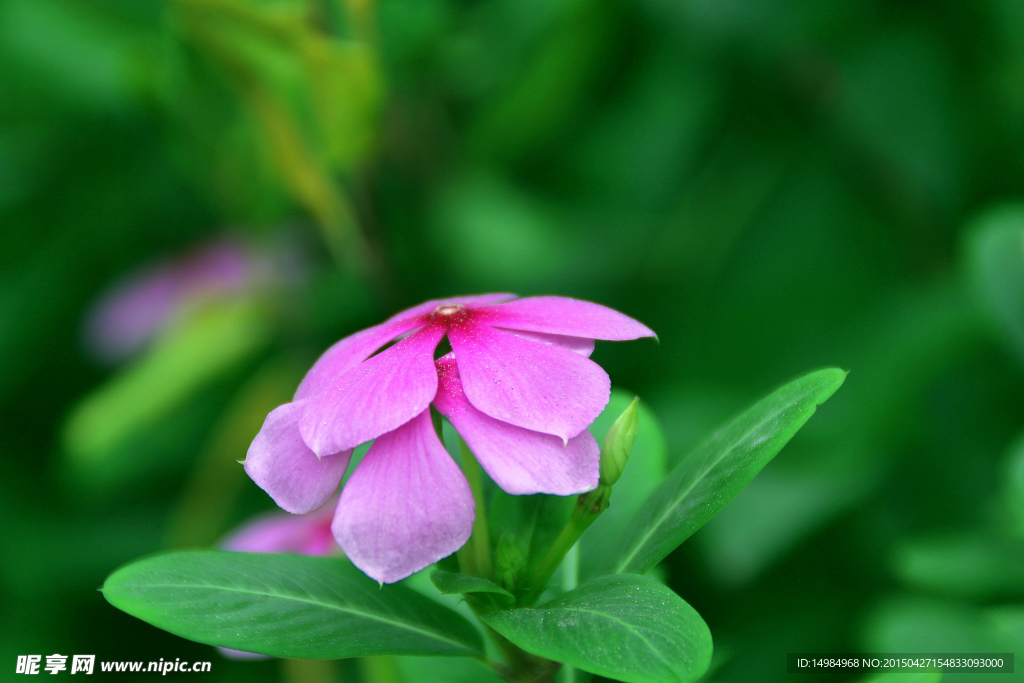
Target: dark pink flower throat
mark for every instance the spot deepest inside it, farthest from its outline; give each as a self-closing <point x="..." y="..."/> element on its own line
<point x="450" y="315"/>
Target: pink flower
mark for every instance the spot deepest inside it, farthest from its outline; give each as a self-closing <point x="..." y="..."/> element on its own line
<point x="136" y="309"/>
<point x="519" y="388"/>
<point x="275" y="532"/>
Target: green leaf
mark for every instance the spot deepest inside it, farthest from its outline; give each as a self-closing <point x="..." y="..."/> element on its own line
<point x="717" y="470"/>
<point x="286" y="606"/>
<point x="627" y="627"/>
<point x="450" y="583"/>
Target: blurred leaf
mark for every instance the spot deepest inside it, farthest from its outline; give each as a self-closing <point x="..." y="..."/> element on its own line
<point x="898" y="101"/>
<point x="73" y="51"/>
<point x="717" y="470"/>
<point x="643" y="142"/>
<point x="286" y="606"/>
<point x="965" y="566"/>
<point x="1013" y="485"/>
<point x="912" y="624"/>
<point x="450" y="583"/>
<point x="539" y="103"/>
<point x="644" y="471"/>
<point x="202" y="347"/>
<point x="779" y="508"/>
<point x="202" y="514"/>
<point x="995" y="261"/>
<point x="1007" y="621"/>
<point x="627" y="627"/>
<point x="493" y="234"/>
<point x="446" y="670"/>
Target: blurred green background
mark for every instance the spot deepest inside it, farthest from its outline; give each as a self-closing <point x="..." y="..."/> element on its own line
<point x="771" y="186"/>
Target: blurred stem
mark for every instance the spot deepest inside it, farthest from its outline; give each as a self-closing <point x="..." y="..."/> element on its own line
<point x="381" y="669"/>
<point x="303" y="173"/>
<point x="203" y="510"/>
<point x="360" y="13"/>
<point x="309" y="671"/>
<point x="280" y="22"/>
<point x="475" y="556"/>
<point x="589" y="507"/>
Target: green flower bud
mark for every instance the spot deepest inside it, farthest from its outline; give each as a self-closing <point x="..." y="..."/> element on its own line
<point x="618" y="444"/>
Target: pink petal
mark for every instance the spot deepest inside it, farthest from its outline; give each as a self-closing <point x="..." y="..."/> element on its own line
<point x="406" y="506"/>
<point x="375" y="397"/>
<point x="350" y="352"/>
<point x="579" y="345"/>
<point x="528" y="384"/>
<point x="283" y="466"/>
<point x="278" y="532"/>
<point x="561" y="315"/>
<point x="355" y="348"/>
<point x="520" y="461"/>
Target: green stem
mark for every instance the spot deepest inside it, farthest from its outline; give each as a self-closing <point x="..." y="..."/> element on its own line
<point x="570" y="579"/>
<point x="589" y="507"/>
<point x="519" y="665"/>
<point x="475" y="556"/>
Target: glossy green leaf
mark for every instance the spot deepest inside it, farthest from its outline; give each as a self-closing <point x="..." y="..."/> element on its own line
<point x="627" y="627"/>
<point x="450" y="583"/>
<point x="286" y="606"/>
<point x="712" y="475"/>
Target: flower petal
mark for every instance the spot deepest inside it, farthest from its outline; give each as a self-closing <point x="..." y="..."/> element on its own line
<point x="520" y="461"/>
<point x="350" y="352"/>
<point x="375" y="397"/>
<point x="528" y="384"/>
<point x="579" y="345"/>
<point x="562" y="315"/>
<point x="355" y="348"/>
<point x="283" y="466"/>
<point x="406" y="506"/>
<point x="278" y="532"/>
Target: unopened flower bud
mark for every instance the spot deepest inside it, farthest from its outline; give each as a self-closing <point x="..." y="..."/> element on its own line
<point x="618" y="444"/>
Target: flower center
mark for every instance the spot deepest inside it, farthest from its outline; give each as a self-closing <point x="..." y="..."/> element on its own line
<point x="450" y="314"/>
<point x="446" y="310"/>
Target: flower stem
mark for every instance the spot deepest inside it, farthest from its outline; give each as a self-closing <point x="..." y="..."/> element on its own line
<point x="475" y="556"/>
<point x="589" y="507"/>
